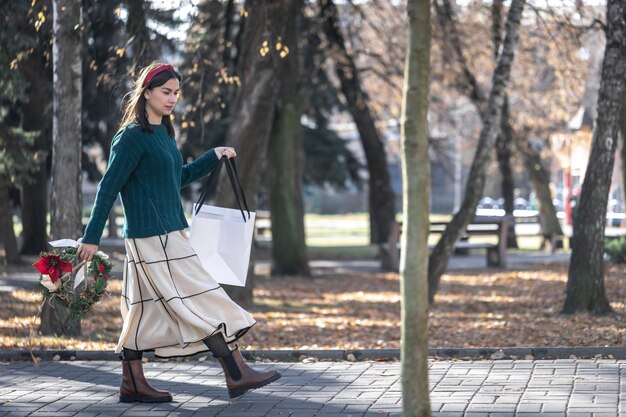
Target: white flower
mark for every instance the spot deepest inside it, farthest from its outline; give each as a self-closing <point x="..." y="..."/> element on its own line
<point x="51" y="286"/>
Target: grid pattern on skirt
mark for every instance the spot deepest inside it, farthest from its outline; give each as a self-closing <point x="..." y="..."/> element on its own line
<point x="170" y="302"/>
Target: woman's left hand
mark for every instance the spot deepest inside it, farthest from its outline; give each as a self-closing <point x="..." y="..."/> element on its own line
<point x="225" y="151"/>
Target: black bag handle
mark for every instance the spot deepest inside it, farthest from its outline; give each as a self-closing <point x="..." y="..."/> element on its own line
<point x="208" y="184"/>
<point x="233" y="166"/>
<point x="231" y="170"/>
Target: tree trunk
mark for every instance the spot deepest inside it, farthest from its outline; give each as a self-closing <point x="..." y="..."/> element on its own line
<point x="285" y="167"/>
<point x="622" y="127"/>
<point x="505" y="138"/>
<point x="415" y="213"/>
<point x="284" y="174"/>
<point x="253" y="112"/>
<point x="66" y="197"/>
<point x="585" y="284"/>
<point x="550" y="222"/>
<point x="381" y="196"/>
<point x="112" y="224"/>
<point x="34" y="209"/>
<point x="12" y="254"/>
<point x="504" y="153"/>
<point x="139" y="42"/>
<point x="228" y="61"/>
<point x="540" y="179"/>
<point x="440" y="255"/>
<point x="36" y="117"/>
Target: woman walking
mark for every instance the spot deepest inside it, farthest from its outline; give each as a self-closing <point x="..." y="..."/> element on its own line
<point x="170" y="304"/>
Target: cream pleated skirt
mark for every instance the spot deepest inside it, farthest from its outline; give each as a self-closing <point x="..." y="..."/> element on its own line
<point x="170" y="302"/>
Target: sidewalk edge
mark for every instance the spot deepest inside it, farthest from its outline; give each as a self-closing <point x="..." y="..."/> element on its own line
<point x="506" y="353"/>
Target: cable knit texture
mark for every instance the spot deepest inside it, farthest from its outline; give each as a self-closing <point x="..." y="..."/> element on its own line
<point x="147" y="170"/>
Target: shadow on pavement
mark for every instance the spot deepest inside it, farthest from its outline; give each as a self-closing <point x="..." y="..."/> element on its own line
<point x="198" y="389"/>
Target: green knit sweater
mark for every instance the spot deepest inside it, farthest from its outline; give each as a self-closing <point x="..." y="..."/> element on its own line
<point x="147" y="170"/>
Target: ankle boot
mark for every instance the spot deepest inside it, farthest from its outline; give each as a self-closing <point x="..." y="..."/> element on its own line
<point x="135" y="388"/>
<point x="246" y="378"/>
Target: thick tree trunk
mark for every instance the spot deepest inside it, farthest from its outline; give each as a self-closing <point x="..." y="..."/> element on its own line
<point x="415" y="213"/>
<point x="36" y="117"/>
<point x="7" y="232"/>
<point x="381" y="196"/>
<point x="285" y="167"/>
<point x="112" y="226"/>
<point x="66" y="197"/>
<point x="139" y="42"/>
<point x="585" y="284"/>
<point x="476" y="180"/>
<point x="34" y="209"/>
<point x="253" y="112"/>
<point x="284" y="174"/>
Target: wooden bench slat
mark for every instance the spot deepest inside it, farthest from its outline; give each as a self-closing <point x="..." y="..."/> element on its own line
<point x="484" y="225"/>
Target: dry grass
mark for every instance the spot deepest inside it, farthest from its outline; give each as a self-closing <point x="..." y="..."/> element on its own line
<point x="361" y="310"/>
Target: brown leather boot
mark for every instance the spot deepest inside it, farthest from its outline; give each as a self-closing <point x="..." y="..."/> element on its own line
<point x="247" y="379"/>
<point x="135" y="388"/>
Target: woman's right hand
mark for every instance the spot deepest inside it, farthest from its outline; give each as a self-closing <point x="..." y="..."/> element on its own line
<point x="226" y="151"/>
<point x="86" y="251"/>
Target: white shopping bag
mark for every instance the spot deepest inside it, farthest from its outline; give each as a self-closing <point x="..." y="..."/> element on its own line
<point x="222" y="237"/>
<point x="222" y="240"/>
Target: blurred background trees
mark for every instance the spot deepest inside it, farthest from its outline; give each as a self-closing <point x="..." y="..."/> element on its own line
<point x="310" y="94"/>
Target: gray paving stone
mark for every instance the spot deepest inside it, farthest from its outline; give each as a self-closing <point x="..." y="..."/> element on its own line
<point x="559" y="388"/>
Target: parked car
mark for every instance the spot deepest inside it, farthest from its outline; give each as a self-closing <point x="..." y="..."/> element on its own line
<point x="488" y="203"/>
<point x="558" y="204"/>
<point x="615" y="206"/>
<point x="521" y="204"/>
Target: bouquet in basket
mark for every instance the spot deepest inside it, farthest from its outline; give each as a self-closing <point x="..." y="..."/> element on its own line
<point x="76" y="284"/>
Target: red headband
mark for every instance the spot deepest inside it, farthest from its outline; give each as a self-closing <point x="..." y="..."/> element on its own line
<point x="156" y="70"/>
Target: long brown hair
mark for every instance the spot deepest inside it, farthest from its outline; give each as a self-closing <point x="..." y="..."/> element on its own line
<point x="135" y="102"/>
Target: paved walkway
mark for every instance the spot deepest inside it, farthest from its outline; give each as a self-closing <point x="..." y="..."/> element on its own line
<point x="564" y="387"/>
<point x="27" y="277"/>
<point x="516" y="261"/>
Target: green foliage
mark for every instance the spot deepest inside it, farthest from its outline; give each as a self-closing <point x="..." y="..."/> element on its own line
<point x="16" y="46"/>
<point x="616" y="249"/>
<point x="328" y="161"/>
<point x="26" y="27"/>
<point x="210" y="83"/>
<point x="209" y="71"/>
<point x="17" y="160"/>
<point x="105" y="63"/>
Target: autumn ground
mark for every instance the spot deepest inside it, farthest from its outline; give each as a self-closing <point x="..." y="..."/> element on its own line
<point x="345" y="310"/>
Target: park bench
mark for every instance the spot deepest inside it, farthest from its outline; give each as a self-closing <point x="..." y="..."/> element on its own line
<point x="480" y="226"/>
<point x="263" y="224"/>
<point x="550" y="242"/>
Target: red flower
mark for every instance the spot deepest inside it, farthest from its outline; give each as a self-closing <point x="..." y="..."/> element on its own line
<point x="105" y="276"/>
<point x="53" y="266"/>
<point x="53" y="273"/>
<point x="101" y="267"/>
